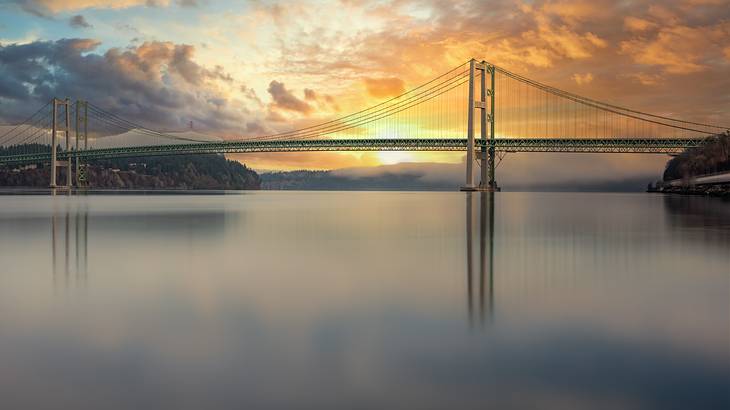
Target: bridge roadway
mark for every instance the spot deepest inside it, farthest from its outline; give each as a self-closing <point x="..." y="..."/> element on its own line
<point x="606" y="145"/>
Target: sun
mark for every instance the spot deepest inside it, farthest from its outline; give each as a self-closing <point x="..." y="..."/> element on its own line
<point x="394" y="157"/>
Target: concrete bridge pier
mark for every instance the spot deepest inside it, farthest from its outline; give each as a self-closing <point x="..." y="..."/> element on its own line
<point x="469" y="186"/>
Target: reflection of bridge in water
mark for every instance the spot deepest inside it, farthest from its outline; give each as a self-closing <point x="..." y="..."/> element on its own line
<point x="69" y="245"/>
<point x="483" y="283"/>
<point x="540" y="268"/>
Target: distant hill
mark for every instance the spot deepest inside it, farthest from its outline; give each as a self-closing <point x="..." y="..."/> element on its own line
<point x="332" y="181"/>
<point x="386" y="178"/>
<point x="208" y="171"/>
<point x="175" y="172"/>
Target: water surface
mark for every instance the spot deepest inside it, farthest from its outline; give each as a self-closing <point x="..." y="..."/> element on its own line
<point x="319" y="300"/>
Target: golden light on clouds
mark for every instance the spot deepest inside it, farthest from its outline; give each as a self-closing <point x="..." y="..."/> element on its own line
<point x="582" y="79"/>
<point x="384" y="87"/>
<point x="678" y="49"/>
<point x="632" y="23"/>
<point x="242" y="69"/>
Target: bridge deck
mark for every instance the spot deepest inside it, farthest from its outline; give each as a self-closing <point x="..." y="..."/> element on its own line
<point x="606" y="145"/>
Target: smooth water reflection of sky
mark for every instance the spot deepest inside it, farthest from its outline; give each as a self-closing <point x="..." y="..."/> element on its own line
<point x="365" y="300"/>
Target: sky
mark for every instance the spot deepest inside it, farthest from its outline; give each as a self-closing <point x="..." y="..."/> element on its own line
<point x="243" y="68"/>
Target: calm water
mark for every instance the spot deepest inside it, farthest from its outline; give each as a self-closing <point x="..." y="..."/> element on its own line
<point x="334" y="300"/>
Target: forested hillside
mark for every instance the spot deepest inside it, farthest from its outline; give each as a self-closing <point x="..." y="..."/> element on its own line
<point x="714" y="156"/>
<point x="209" y="171"/>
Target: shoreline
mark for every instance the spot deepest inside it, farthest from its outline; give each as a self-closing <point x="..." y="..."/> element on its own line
<point x="719" y="191"/>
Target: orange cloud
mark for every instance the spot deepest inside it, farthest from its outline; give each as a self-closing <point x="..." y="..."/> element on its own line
<point x="582" y="79"/>
<point x="509" y="52"/>
<point x="384" y="87"/>
<point x="647" y="79"/>
<point x="678" y="49"/>
<point x="573" y="11"/>
<point x="563" y="36"/>
<point x="565" y="42"/>
<point x="638" y="24"/>
<point x="663" y="14"/>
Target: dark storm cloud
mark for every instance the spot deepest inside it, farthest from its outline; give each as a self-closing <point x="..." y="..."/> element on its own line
<point x="78" y="21"/>
<point x="157" y="83"/>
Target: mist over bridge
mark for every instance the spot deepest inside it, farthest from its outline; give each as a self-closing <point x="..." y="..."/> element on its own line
<point x="476" y="107"/>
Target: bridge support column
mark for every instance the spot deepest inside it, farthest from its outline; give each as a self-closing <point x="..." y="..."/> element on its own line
<point x="55" y="163"/>
<point x="69" y="158"/>
<point x="492" y="143"/>
<point x="81" y="118"/>
<point x="76" y="148"/>
<point x="54" y="130"/>
<point x="486" y="151"/>
<point x="483" y="151"/>
<point x="469" y="186"/>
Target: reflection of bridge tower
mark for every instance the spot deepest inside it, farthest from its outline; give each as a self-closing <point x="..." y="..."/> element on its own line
<point x="485" y="284"/>
<point x="69" y="233"/>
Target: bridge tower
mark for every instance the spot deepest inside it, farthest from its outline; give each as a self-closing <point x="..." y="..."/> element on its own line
<point x="487" y="151"/>
<point x="66" y="129"/>
<point x="82" y="131"/>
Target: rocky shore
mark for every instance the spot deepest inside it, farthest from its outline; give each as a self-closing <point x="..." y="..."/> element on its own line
<point x="716" y="190"/>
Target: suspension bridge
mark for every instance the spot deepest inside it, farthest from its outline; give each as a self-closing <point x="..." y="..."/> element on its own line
<point x="476" y="107"/>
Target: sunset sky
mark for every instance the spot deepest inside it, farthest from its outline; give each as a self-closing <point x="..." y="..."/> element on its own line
<point x="238" y="68"/>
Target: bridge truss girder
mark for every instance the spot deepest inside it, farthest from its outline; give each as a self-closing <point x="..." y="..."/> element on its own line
<point x="586" y="145"/>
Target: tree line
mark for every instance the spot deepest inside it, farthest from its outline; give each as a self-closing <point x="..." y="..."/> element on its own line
<point x="206" y="171"/>
<point x="713" y="156"/>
